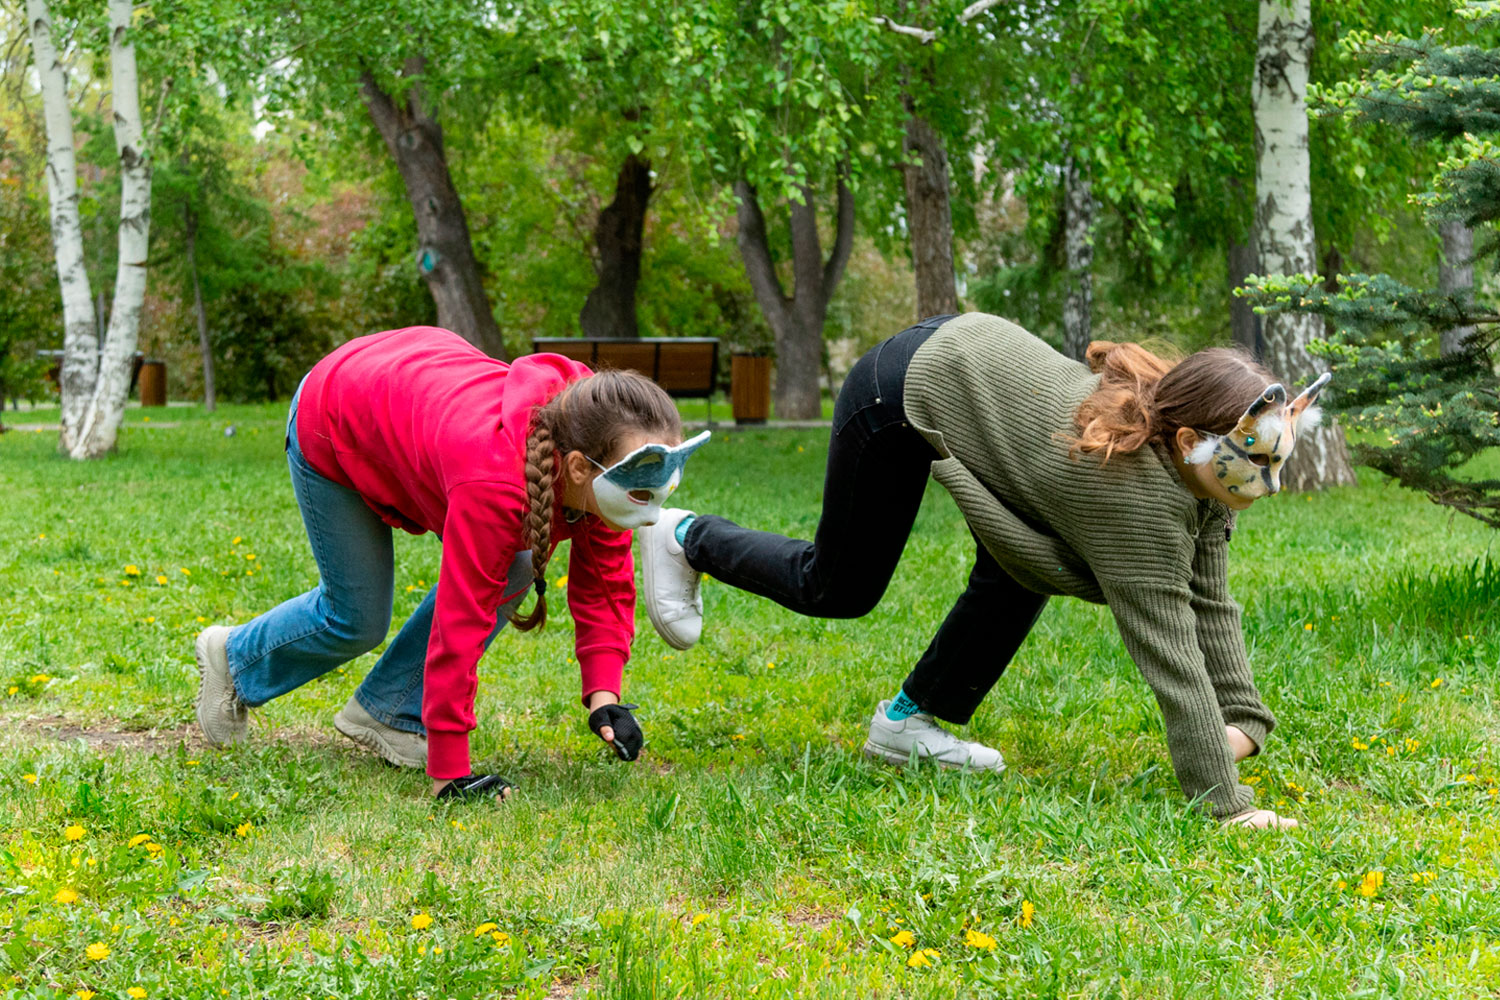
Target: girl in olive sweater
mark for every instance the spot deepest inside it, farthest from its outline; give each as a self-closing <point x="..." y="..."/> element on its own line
<point x="1115" y="481"/>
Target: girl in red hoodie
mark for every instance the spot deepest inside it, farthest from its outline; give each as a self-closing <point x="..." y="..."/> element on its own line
<point x="416" y="429"/>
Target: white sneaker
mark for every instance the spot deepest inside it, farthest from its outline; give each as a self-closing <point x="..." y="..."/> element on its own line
<point x="221" y="715"/>
<point x="673" y="599"/>
<point x="919" y="737"/>
<point x="397" y="746"/>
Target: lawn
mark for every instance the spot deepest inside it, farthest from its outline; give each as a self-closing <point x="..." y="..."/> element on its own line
<point x="752" y="852"/>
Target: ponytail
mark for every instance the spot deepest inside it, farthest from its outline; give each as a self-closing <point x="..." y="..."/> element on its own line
<point x="541" y="472"/>
<point x="1144" y="397"/>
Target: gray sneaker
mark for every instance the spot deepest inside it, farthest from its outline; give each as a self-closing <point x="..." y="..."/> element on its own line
<point x="221" y="715"/>
<point x="398" y="747"/>
<point x="919" y="737"/>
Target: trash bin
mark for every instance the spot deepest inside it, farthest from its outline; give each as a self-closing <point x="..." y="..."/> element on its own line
<point x="750" y="388"/>
<point x="153" y="383"/>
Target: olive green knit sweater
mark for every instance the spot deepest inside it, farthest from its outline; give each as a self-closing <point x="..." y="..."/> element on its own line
<point x="996" y="403"/>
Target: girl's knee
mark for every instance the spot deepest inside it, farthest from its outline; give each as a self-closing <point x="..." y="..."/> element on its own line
<point x="358" y="634"/>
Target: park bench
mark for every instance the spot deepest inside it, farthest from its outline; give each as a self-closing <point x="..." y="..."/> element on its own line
<point x="686" y="367"/>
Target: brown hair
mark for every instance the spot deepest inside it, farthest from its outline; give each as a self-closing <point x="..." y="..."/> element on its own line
<point x="590" y="415"/>
<point x="1143" y="397"/>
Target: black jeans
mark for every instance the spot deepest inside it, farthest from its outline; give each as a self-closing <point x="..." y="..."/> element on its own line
<point x="877" y="471"/>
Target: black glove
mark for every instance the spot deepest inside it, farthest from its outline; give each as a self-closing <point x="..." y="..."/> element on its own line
<point x="628" y="735"/>
<point x="476" y="786"/>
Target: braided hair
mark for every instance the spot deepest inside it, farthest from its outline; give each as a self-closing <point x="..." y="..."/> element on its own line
<point x="592" y="415"/>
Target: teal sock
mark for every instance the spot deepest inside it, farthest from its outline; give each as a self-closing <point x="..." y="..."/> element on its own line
<point x="901" y="707"/>
<point x="682" y="526"/>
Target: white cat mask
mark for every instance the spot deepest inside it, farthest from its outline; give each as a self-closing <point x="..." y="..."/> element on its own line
<point x="1249" y="458"/>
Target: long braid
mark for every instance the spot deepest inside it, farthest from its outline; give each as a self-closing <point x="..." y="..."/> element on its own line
<point x="540" y="472"/>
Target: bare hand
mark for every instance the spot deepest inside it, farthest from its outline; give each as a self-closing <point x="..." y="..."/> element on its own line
<point x="1262" y="819"/>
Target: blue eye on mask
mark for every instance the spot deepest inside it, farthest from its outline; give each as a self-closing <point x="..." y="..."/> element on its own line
<point x="630" y="492"/>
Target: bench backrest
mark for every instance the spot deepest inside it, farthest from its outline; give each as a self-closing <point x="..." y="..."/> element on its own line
<point x="684" y="366"/>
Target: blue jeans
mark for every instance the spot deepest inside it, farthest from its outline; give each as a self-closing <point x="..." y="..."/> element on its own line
<point x="349" y="612"/>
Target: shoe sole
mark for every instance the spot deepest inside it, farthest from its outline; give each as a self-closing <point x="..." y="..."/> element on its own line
<point x="649" y="556"/>
<point x="898" y="757"/>
<point x="371" y="740"/>
<point x="200" y="653"/>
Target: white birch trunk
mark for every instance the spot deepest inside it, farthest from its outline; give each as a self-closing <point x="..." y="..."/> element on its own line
<point x="80" y="365"/>
<point x="1078" y="239"/>
<point x="101" y="422"/>
<point x="1283" y="220"/>
<point x="1456" y="276"/>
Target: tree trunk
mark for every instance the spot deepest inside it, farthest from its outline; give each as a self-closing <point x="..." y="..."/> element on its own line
<point x="445" y="257"/>
<point x="1078" y="240"/>
<point x="609" y="311"/>
<point x="929" y="216"/>
<point x="1244" y="324"/>
<point x="80" y="363"/>
<point x="190" y="225"/>
<point x="1456" y="277"/>
<point x="796" y="321"/>
<point x="1283" y="221"/>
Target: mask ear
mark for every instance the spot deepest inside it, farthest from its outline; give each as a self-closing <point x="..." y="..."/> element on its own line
<point x="1303" y="407"/>
<point x="1275" y="395"/>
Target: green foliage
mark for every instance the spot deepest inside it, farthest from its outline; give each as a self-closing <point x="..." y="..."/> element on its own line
<point x="1430" y="417"/>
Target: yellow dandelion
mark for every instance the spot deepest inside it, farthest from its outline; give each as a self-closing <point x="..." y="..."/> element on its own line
<point x="185" y="572"/>
<point x="1411" y="744"/>
<point x="1360" y="744"/>
<point x="977" y="939"/>
<point x="1437" y="682"/>
<point x="1341" y="884"/>
<point x="84" y="994"/>
<point x="74" y="833"/>
<point x="151" y="620"/>
<point x="500" y="938"/>
<point x="770" y="666"/>
<point x="243" y="830"/>
<point x="153" y="848"/>
<point x="1424" y="878"/>
<point x="484" y="929"/>
<point x="139" y="839"/>
<point x="1307" y="627"/>
<point x="1371" y="883"/>
<point x="421" y="921"/>
<point x="65" y="896"/>
<point x="698" y="918"/>
<point x="161" y="579"/>
<point x="562" y="581"/>
<point x="250" y="557"/>
<point x="236" y="540"/>
<point x="136" y="993"/>
<point x="904" y="939"/>
<point x="1027" y="913"/>
<point x="1390" y="751"/>
<point x="737" y="736"/>
<point x="12" y="690"/>
<point x="923" y="959"/>
<point x="191" y="763"/>
<point x="30" y="779"/>
<point x="38" y="678"/>
<point x="41" y="538"/>
<point x="201" y="620"/>
<point x="97" y="952"/>
<point x="132" y="570"/>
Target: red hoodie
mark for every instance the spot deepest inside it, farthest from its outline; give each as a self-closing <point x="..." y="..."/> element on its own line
<point x="432" y="434"/>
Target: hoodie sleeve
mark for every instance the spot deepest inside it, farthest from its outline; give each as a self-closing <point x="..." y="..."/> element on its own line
<point x="480" y="537"/>
<point x="601" y="597"/>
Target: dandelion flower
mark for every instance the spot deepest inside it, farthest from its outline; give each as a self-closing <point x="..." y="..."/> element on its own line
<point x="12" y="690"/>
<point x="97" y="952"/>
<point x="905" y="939"/>
<point x="84" y="994"/>
<point x="132" y="570"/>
<point x="1424" y="878"/>
<point x="38" y="678"/>
<point x="65" y="896"/>
<point x="1027" y="913"/>
<point x="74" y="833"/>
<point x="562" y="581"/>
<point x="698" y="918"/>
<point x="977" y="939"/>
<point x="250" y="557"/>
<point x="153" y="848"/>
<point x="923" y="959"/>
<point x="236" y="540"/>
<point x="484" y="929"/>
<point x="139" y="839"/>
<point x="500" y="938"/>
<point x="30" y="779"/>
<point x="185" y="572"/>
<point x="1437" y="682"/>
<point x="161" y="579"/>
<point x="243" y="830"/>
<point x="1360" y="744"/>
<point x="1371" y="883"/>
<point x="136" y="993"/>
<point x="421" y="922"/>
<point x="1307" y="627"/>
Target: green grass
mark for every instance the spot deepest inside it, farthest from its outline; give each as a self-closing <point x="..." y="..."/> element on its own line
<point x="752" y="852"/>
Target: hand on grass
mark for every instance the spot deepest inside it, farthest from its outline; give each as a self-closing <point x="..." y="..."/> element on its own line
<point x="1262" y="819"/>
<point x="614" y="724"/>
<point x="1242" y="745"/>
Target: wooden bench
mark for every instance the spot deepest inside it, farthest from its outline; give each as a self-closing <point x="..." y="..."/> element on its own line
<point x="687" y="367"/>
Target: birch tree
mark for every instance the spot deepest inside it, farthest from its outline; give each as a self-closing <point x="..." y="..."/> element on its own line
<point x="1284" y="236"/>
<point x="95" y="378"/>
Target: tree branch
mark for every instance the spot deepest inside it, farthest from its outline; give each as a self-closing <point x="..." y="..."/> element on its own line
<point x="928" y="37"/>
<point x="843" y="241"/>
<point x="756" y="251"/>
